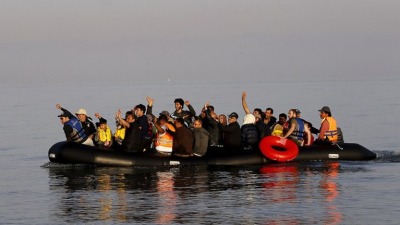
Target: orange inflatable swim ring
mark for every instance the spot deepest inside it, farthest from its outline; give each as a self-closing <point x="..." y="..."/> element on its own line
<point x="278" y="149"/>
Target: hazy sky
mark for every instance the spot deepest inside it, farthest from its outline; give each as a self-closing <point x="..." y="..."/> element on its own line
<point x="241" y="41"/>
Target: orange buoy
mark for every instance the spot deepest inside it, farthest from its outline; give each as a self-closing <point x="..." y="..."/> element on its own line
<point x="278" y="149"/>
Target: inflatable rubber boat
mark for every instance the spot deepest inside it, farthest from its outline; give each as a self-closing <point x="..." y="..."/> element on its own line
<point x="272" y="149"/>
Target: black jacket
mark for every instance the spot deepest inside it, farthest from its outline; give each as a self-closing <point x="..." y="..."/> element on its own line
<point x="131" y="142"/>
<point x="232" y="135"/>
<point x="249" y="136"/>
<point x="211" y="125"/>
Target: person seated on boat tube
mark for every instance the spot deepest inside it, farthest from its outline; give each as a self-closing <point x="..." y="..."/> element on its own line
<point x="185" y="114"/>
<point x="277" y="128"/>
<point x="231" y="133"/>
<point x="164" y="138"/>
<point x="249" y="138"/>
<point x="103" y="136"/>
<point x="328" y="132"/>
<point x="201" y="138"/>
<point x="297" y="129"/>
<point x="87" y="123"/>
<point x="131" y="142"/>
<point x="73" y="128"/>
<point x="182" y="145"/>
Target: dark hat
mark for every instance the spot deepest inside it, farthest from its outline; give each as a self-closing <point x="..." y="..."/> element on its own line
<point x="234" y="115"/>
<point x="298" y="111"/>
<point x="325" y="109"/>
<point x="163" y="117"/>
<point x="102" y="120"/>
<point x="63" y="115"/>
<point x="164" y="113"/>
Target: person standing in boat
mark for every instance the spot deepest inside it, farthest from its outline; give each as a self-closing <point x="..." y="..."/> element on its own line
<point x="73" y="128"/>
<point x="231" y="133"/>
<point x="146" y="129"/>
<point x="297" y="129"/>
<point x="201" y="138"/>
<point x="131" y="142"/>
<point x="328" y="132"/>
<point x="185" y="114"/>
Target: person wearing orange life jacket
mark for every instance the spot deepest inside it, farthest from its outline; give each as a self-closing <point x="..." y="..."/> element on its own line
<point x="328" y="131"/>
<point x="164" y="140"/>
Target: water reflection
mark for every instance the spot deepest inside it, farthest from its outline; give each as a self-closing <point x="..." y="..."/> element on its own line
<point x="243" y="195"/>
<point x="168" y="198"/>
<point x="282" y="182"/>
<point x="123" y="194"/>
<point x="287" y="183"/>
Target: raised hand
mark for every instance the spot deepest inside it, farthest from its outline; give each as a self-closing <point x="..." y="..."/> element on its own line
<point x="150" y="101"/>
<point x="97" y="115"/>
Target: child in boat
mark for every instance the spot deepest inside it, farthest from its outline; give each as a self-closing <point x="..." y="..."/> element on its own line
<point x="103" y="137"/>
<point x="119" y="134"/>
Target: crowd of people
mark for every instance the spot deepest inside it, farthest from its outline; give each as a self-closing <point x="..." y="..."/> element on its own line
<point x="185" y="134"/>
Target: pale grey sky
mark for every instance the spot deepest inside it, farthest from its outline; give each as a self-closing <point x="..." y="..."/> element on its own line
<point x="241" y="41"/>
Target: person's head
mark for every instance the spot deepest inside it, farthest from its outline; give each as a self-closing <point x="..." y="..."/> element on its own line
<point x="179" y="103"/>
<point x="103" y="124"/>
<point x="222" y="119"/>
<point x="268" y="113"/>
<point x="258" y="117"/>
<point x="282" y="118"/>
<point x="292" y="113"/>
<point x="298" y="113"/>
<point x="214" y="116"/>
<point x="203" y="113"/>
<point x="257" y="112"/>
<point x="162" y="119"/>
<point x="179" y="122"/>
<point x="81" y="114"/>
<point x="63" y="118"/>
<point x="211" y="108"/>
<point x="165" y="112"/>
<point x="233" y="117"/>
<point x="325" y="112"/>
<point x="249" y="119"/>
<point x="140" y="110"/>
<point x="130" y="117"/>
<point x="198" y="123"/>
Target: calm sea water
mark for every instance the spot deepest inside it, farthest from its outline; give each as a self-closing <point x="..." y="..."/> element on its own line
<point x="33" y="191"/>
